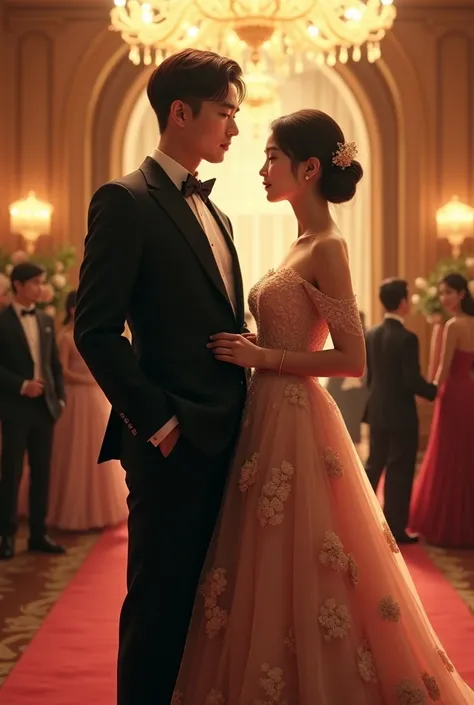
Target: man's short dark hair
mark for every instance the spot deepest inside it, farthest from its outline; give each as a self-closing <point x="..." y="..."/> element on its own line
<point x="392" y="292"/>
<point x="24" y="272"/>
<point x="192" y="76"/>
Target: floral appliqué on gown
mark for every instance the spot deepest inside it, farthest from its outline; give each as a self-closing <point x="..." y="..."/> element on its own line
<point x="305" y="598"/>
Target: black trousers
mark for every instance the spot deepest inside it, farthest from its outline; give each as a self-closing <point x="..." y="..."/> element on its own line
<point x="30" y="432"/>
<point x="395" y="451"/>
<point x="174" y="503"/>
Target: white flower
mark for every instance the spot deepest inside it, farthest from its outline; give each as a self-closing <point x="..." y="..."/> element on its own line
<point x="432" y="291"/>
<point x="18" y="257"/>
<point x="58" y="281"/>
<point x="470" y="262"/>
<point x="58" y="267"/>
<point x="47" y="293"/>
<point x="4" y="284"/>
<point x="415" y="299"/>
<point x="470" y="286"/>
<point x="8" y="269"/>
<point x="421" y="283"/>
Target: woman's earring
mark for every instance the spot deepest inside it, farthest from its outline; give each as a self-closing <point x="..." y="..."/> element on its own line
<point x="306" y="177"/>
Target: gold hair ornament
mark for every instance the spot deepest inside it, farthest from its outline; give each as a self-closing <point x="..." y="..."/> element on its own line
<point x="345" y="154"/>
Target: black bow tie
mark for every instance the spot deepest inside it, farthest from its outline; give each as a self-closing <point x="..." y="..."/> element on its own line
<point x="28" y="312"/>
<point x="193" y="185"/>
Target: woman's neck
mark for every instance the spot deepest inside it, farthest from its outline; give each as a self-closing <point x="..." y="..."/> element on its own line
<point x="312" y="215"/>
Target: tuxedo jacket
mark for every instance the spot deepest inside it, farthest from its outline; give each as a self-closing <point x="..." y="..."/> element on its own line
<point x="148" y="261"/>
<point x="16" y="365"/>
<point x="394" y="378"/>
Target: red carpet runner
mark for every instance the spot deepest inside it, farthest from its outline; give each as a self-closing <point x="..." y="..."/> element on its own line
<point x="71" y="661"/>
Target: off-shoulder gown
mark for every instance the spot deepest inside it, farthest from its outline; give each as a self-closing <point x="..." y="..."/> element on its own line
<point x="305" y="598"/>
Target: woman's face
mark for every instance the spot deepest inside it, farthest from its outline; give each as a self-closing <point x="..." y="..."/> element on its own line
<point x="279" y="181"/>
<point x="450" y="298"/>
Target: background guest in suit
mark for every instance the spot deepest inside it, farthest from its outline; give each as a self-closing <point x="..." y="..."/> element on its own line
<point x="31" y="398"/>
<point x="394" y="381"/>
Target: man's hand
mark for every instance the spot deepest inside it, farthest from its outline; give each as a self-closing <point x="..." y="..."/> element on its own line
<point x="168" y="443"/>
<point x="33" y="388"/>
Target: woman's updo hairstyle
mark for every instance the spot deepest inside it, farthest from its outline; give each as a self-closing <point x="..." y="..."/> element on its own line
<point x="311" y="133"/>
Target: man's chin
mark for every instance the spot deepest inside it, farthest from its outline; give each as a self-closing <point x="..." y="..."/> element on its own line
<point x="217" y="155"/>
<point x="215" y="158"/>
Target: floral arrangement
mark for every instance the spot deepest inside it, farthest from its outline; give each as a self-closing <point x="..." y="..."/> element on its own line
<point x="426" y="299"/>
<point x="56" y="265"/>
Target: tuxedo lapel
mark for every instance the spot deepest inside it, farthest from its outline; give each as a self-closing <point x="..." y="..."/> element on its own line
<point x="170" y="199"/>
<point x="239" y="287"/>
<point x="18" y="331"/>
<point x="42" y="338"/>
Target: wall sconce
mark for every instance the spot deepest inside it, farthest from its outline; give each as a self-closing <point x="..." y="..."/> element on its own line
<point x="455" y="222"/>
<point x="30" y="218"/>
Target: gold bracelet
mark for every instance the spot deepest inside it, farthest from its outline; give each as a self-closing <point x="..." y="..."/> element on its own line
<point x="281" y="363"/>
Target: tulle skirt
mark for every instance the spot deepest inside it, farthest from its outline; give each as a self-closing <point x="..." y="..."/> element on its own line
<point x="305" y="598"/>
<point x="83" y="495"/>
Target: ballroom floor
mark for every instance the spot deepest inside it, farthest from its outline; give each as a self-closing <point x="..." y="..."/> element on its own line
<point x="30" y="585"/>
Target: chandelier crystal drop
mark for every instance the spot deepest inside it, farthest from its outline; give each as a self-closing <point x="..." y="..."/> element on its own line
<point x="280" y="36"/>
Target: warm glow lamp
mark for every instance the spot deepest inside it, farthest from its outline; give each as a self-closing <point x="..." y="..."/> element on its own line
<point x="30" y="218"/>
<point x="455" y="222"/>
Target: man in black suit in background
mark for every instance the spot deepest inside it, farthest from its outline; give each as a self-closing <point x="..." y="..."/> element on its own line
<point x="394" y="381"/>
<point x="31" y="400"/>
<point x="160" y="254"/>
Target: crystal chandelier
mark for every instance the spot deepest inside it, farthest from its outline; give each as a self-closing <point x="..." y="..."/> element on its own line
<point x="274" y="35"/>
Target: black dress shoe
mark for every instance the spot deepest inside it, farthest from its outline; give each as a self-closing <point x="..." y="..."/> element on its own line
<point x="43" y="544"/>
<point x="7" y="548"/>
<point x="406" y="539"/>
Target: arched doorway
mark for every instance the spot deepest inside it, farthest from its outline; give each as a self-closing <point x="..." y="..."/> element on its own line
<point x="263" y="231"/>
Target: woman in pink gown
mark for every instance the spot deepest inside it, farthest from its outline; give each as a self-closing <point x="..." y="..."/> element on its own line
<point x="305" y="598"/>
<point x="442" y="508"/>
<point x="83" y="495"/>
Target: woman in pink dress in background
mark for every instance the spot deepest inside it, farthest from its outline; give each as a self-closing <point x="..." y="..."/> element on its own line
<point x="83" y="494"/>
<point x="305" y="598"/>
<point x="442" y="508"/>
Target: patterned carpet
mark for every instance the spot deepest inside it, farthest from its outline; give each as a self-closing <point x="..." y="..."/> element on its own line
<point x="29" y="587"/>
<point x="31" y="584"/>
<point x="458" y="569"/>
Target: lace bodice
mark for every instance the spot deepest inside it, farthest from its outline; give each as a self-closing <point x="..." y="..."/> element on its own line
<point x="292" y="314"/>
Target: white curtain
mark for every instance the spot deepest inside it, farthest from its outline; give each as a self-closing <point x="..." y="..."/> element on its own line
<point x="263" y="231"/>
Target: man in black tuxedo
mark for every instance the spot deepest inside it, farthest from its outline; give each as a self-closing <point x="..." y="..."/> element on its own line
<point x="394" y="380"/>
<point x="160" y="254"/>
<point x="31" y="400"/>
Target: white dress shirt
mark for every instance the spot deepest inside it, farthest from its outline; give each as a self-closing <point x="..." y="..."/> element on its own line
<point x="394" y="317"/>
<point x="178" y="173"/>
<point x="31" y="330"/>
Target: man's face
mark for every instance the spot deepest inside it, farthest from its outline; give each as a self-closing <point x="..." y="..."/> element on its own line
<point x="210" y="133"/>
<point x="30" y="292"/>
<point x="405" y="307"/>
